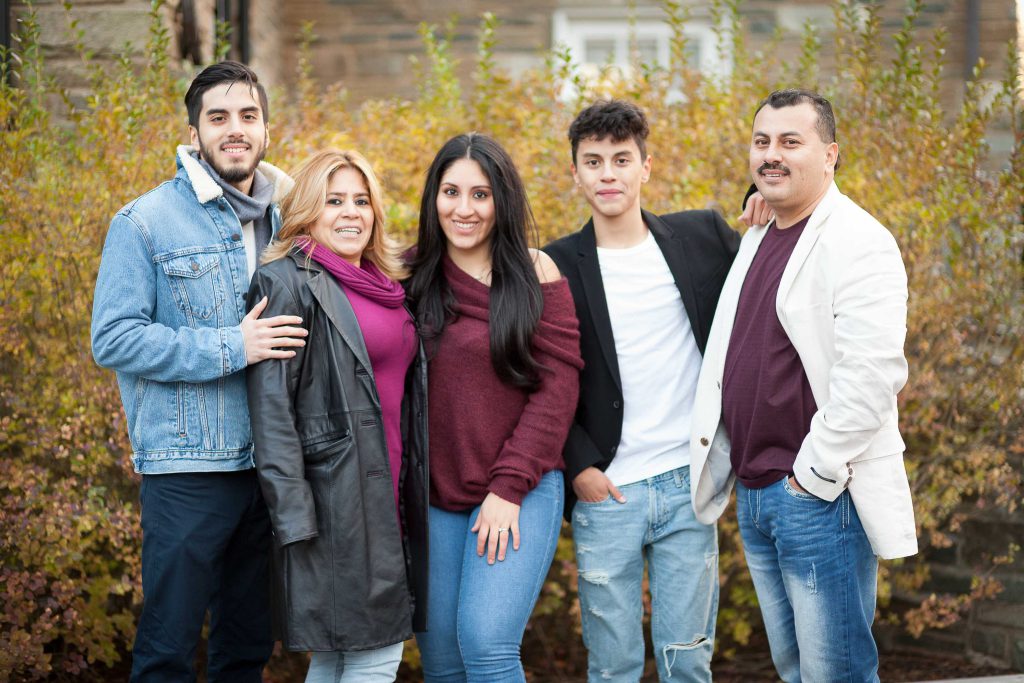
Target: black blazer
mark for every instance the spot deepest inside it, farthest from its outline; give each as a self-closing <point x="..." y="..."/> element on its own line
<point x="699" y="248"/>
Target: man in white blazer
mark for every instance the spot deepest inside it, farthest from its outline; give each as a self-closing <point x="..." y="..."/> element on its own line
<point x="796" y="401"/>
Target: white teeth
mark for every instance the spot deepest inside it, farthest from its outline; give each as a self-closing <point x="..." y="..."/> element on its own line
<point x="464" y="226"/>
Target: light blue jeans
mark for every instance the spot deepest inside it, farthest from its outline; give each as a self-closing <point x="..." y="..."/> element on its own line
<point x="357" y="666"/>
<point x="815" y="576"/>
<point x="476" y="612"/>
<point x="612" y="540"/>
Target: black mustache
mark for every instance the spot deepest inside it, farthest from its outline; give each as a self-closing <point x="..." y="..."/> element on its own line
<point x="772" y="167"/>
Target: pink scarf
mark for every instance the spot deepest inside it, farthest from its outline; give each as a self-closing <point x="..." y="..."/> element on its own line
<point x="368" y="280"/>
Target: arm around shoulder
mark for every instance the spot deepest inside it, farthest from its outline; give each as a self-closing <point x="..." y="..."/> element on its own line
<point x="128" y="333"/>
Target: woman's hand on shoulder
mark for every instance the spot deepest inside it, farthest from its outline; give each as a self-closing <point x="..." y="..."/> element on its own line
<point x="498" y="519"/>
<point x="547" y="271"/>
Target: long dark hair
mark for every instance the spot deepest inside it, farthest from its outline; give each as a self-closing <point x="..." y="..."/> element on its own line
<point x="516" y="300"/>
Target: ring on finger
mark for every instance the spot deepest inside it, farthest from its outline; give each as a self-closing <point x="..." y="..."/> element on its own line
<point x="502" y="529"/>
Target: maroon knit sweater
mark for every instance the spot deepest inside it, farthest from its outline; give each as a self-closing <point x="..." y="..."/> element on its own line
<point x="485" y="435"/>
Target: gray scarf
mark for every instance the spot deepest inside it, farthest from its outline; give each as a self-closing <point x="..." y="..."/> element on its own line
<point x="249" y="208"/>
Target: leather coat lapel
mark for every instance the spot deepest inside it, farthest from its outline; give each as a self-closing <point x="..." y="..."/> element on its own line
<point x="339" y="311"/>
<point x="674" y="248"/>
<point x="597" y="303"/>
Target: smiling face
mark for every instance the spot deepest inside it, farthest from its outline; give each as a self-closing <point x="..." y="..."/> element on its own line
<point x="231" y="133"/>
<point x="611" y="174"/>
<point x="465" y="208"/>
<point x="346" y="223"/>
<point x="790" y="163"/>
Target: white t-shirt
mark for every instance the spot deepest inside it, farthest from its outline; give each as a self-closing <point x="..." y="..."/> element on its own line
<point x="249" y="240"/>
<point x="658" y="361"/>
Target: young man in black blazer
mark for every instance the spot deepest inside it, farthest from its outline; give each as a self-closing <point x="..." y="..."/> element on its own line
<point x="645" y="289"/>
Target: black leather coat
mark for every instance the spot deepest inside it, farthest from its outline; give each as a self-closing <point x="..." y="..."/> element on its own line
<point x="345" y="577"/>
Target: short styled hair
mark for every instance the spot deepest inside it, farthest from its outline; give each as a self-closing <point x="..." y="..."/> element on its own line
<point x="791" y="97"/>
<point x="615" y="119"/>
<point x="214" y="75"/>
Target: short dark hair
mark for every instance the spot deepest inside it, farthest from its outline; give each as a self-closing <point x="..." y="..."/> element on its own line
<point x="615" y="119"/>
<point x="215" y="74"/>
<point x="791" y="97"/>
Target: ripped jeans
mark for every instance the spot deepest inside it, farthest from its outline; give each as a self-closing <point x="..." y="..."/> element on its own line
<point x="612" y="541"/>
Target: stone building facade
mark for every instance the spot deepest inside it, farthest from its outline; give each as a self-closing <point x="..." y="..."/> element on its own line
<point x="368" y="44"/>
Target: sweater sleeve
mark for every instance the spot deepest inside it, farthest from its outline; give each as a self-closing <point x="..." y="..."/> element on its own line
<point x="535" y="446"/>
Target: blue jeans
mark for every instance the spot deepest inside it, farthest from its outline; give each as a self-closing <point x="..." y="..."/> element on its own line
<point x="612" y="540"/>
<point x="205" y="544"/>
<point x="358" y="666"/>
<point x="815" y="576"/>
<point x="476" y="612"/>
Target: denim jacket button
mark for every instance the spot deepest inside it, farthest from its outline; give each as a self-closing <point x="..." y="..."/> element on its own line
<point x="235" y="237"/>
<point x="193" y="265"/>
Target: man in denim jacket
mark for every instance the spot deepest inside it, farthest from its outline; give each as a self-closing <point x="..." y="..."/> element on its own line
<point x="169" y="317"/>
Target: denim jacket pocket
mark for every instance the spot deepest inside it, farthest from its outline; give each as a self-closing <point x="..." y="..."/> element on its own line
<point x="185" y="423"/>
<point x="197" y="283"/>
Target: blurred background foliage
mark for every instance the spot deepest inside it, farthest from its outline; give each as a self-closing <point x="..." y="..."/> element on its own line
<point x="69" y="534"/>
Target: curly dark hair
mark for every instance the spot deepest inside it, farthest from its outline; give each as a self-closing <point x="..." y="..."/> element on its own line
<point x="615" y="119"/>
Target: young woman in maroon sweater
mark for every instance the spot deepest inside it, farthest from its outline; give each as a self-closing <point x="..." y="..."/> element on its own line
<point x="503" y="344"/>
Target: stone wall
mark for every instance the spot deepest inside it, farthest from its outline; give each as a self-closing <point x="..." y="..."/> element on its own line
<point x="368" y="44"/>
<point x="108" y="27"/>
<point x="992" y="631"/>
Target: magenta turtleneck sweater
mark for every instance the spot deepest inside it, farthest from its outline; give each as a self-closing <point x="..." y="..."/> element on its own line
<point x="390" y="339"/>
<point x="388" y="334"/>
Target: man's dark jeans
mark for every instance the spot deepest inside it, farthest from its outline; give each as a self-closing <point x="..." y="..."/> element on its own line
<point x="205" y="545"/>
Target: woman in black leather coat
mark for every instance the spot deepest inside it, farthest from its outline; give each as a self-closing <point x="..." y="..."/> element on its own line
<point x="340" y="429"/>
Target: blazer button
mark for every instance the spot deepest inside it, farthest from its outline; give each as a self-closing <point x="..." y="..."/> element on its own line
<point x="616" y="404"/>
<point x="613" y="449"/>
<point x="703" y="441"/>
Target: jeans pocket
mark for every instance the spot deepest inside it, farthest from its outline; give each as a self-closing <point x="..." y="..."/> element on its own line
<point x="603" y="501"/>
<point x="799" y="495"/>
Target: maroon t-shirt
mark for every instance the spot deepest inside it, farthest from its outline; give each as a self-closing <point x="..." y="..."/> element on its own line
<point x="767" y="404"/>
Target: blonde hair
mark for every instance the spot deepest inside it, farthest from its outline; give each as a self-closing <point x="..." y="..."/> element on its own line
<point x="303" y="205"/>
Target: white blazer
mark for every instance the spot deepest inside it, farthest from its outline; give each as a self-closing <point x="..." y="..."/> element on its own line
<point x="843" y="303"/>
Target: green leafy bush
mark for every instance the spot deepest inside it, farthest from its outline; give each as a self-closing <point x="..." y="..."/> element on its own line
<point x="69" y="537"/>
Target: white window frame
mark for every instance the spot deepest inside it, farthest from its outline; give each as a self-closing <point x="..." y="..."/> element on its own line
<point x="572" y="28"/>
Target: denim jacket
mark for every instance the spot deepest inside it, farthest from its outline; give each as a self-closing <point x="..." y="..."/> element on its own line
<point x="170" y="297"/>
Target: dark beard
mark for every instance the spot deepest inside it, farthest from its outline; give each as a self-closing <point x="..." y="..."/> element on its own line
<point x="233" y="174"/>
